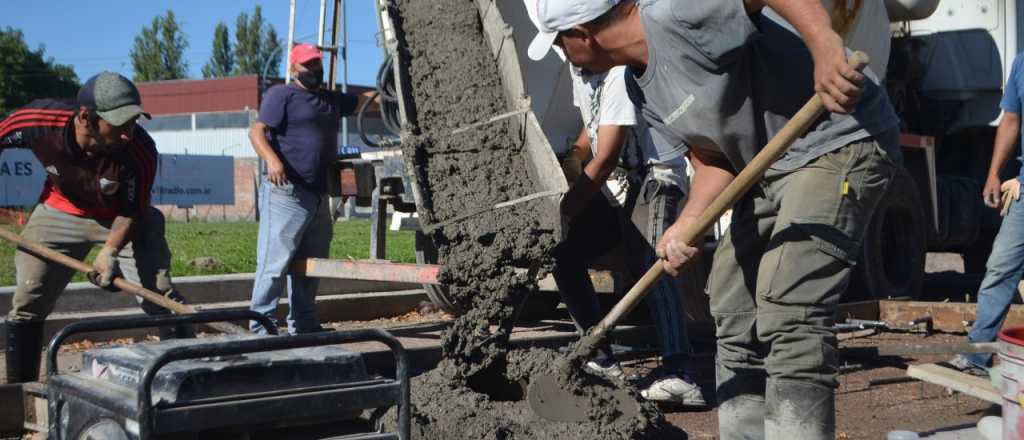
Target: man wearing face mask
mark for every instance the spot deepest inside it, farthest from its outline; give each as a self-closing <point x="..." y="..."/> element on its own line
<point x="296" y="134"/>
<point x="100" y="168"/>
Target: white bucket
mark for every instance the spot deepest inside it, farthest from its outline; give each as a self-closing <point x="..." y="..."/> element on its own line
<point x="1011" y="368"/>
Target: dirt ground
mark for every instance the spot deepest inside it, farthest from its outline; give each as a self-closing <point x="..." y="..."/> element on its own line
<point x="862" y="412"/>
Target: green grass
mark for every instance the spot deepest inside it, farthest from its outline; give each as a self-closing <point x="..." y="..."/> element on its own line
<point x="234" y="244"/>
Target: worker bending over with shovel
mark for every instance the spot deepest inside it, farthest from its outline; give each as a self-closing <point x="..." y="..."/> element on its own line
<point x="625" y="189"/>
<point x="723" y="77"/>
<point x="100" y="167"/>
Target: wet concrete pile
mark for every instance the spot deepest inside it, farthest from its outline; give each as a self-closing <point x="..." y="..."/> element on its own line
<point x="490" y="259"/>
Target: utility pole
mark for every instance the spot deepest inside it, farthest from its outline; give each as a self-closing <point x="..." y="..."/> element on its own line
<point x="291" y="41"/>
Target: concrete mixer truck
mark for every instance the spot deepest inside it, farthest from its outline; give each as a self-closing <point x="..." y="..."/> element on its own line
<point x="944" y="63"/>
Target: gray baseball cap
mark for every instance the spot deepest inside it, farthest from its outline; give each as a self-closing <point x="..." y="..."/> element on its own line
<point x="113" y="97"/>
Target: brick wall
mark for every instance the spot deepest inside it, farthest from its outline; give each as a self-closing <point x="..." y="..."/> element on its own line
<point x="246" y="173"/>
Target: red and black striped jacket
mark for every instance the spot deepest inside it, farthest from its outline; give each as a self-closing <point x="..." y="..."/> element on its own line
<point x="102" y="187"/>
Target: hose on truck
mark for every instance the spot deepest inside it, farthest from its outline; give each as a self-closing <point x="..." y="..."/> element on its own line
<point x="388" y="108"/>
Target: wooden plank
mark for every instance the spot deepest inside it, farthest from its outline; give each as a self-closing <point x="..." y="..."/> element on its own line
<point x="948" y="317"/>
<point x="965" y="383"/>
<point x="867" y="310"/>
<point x="366" y="270"/>
<point x="919" y="349"/>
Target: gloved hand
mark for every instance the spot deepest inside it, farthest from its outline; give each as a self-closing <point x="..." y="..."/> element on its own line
<point x="572" y="167"/>
<point x="105" y="266"/>
<point x="1010" y="193"/>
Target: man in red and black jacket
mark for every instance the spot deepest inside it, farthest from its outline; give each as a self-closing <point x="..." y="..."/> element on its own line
<point x="100" y="167"/>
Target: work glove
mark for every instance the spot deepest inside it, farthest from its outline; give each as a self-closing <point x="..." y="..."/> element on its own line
<point x="1011" y="193"/>
<point x="572" y="168"/>
<point x="104" y="268"/>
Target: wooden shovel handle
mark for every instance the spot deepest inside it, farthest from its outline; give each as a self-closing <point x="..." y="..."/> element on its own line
<point x="121" y="283"/>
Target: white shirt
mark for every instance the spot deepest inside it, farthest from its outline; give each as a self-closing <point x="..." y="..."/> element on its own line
<point x="603" y="100"/>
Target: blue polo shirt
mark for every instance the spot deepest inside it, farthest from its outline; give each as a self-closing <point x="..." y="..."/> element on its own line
<point x="304" y="130"/>
<point x="1013" y="99"/>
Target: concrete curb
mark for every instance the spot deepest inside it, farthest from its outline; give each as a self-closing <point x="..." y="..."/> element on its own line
<point x="340" y="307"/>
<point x="205" y="289"/>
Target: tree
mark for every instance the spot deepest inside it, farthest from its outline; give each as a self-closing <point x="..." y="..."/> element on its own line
<point x="27" y="74"/>
<point x="222" y="61"/>
<point x="159" y="51"/>
<point x="257" y="45"/>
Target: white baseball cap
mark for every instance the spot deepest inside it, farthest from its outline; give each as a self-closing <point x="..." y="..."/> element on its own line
<point x="554" y="16"/>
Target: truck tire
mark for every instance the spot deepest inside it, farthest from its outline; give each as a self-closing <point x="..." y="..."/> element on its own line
<point x="895" y="244"/>
<point x="426" y="253"/>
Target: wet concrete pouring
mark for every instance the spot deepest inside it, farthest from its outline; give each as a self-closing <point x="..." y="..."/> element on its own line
<point x="491" y="259"/>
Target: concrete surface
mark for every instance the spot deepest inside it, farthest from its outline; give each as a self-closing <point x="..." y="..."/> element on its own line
<point x="85" y="297"/>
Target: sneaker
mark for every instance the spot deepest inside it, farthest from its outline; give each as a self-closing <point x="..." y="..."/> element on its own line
<point x="611" y="371"/>
<point x="962" y="364"/>
<point x="673" y="388"/>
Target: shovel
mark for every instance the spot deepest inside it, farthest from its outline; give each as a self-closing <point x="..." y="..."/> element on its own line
<point x="547" y="394"/>
<point x="124" y="285"/>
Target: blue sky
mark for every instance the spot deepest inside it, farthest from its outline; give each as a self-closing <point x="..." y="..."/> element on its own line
<point x="98" y="35"/>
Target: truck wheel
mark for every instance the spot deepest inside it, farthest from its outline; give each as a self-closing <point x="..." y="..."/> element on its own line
<point x="426" y="253"/>
<point x="893" y="255"/>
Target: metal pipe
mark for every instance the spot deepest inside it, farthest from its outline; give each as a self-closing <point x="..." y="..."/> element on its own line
<point x="332" y="72"/>
<point x="323" y="22"/>
<point x="343" y="52"/>
<point x="291" y="41"/>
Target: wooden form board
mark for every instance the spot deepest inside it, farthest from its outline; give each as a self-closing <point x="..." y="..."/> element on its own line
<point x="946" y="317"/>
<point x="979" y="387"/>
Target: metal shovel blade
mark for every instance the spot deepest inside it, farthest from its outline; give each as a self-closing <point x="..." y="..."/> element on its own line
<point x="549" y="399"/>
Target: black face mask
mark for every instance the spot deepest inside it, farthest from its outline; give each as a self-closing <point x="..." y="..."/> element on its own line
<point x="310" y="79"/>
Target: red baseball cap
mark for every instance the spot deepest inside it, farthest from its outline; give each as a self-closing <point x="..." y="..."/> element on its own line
<point x="304" y="53"/>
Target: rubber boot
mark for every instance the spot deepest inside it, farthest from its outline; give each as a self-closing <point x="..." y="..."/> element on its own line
<point x="799" y="410"/>
<point x="741" y="405"/>
<point x="24" y="347"/>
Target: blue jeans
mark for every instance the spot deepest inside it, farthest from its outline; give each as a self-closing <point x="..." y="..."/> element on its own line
<point x="295" y="223"/>
<point x="1003" y="270"/>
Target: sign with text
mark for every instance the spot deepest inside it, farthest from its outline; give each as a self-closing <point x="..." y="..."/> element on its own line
<point x="21" y="177"/>
<point x="189" y="180"/>
<point x="182" y="180"/>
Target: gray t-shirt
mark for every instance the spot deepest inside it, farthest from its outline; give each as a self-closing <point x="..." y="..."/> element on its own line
<point x="721" y="80"/>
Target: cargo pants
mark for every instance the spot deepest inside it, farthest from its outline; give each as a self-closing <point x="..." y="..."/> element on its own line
<point x="146" y="260"/>
<point x="776" y="280"/>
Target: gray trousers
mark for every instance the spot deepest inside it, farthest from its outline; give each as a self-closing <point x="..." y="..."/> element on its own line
<point x="650" y="209"/>
<point x="146" y="260"/>
<point x="779" y="271"/>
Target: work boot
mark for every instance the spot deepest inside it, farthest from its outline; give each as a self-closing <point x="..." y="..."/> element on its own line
<point x="741" y="418"/>
<point x="797" y="410"/>
<point x="740" y="404"/>
<point x="24" y="346"/>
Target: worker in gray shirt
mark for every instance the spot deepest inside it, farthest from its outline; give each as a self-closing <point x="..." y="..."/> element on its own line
<point x="723" y="77"/>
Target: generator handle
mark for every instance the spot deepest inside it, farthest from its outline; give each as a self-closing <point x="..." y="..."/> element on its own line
<point x="274" y="343"/>
<point x="144" y="321"/>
